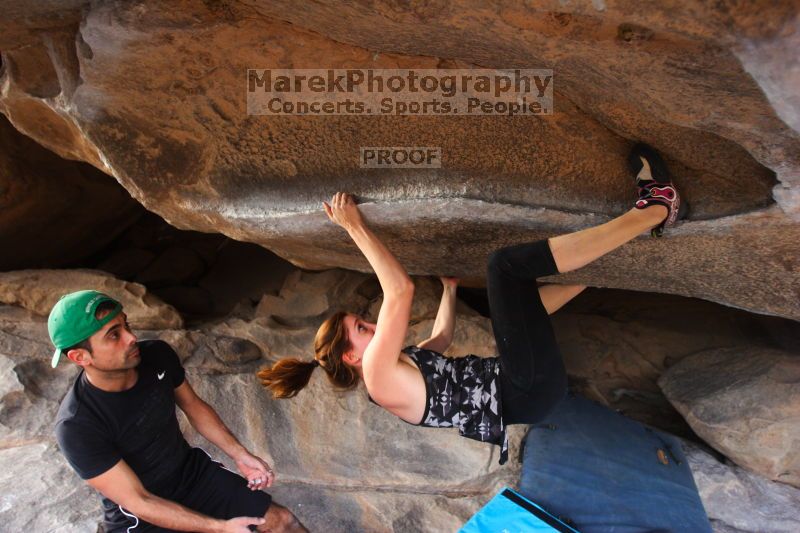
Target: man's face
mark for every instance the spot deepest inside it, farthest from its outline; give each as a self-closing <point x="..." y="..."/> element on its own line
<point x="113" y="347"/>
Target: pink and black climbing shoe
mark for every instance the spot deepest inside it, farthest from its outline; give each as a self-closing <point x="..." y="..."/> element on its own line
<point x="659" y="190"/>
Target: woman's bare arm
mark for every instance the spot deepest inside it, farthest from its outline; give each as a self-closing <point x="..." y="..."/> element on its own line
<point x="382" y="355"/>
<point x="442" y="333"/>
<point x="392" y="276"/>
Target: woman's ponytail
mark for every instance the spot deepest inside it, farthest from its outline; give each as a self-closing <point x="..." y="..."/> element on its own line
<point x="287" y="377"/>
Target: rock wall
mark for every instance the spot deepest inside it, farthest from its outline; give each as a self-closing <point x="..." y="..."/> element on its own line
<point x="344" y="464"/>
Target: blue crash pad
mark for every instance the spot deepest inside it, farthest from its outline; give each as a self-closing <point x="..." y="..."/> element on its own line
<point x="599" y="471"/>
<point x="508" y="511"/>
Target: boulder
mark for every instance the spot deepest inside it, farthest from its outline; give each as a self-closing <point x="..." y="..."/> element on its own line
<point x="338" y="509"/>
<point x="30" y="390"/>
<point x="39" y="290"/>
<point x="342" y="463"/>
<point x="745" y="402"/>
<point x="303" y="295"/>
<point x="154" y="96"/>
<point x="208" y="353"/>
<point x="342" y="441"/>
<point x="364" y="469"/>
<point x="737" y="500"/>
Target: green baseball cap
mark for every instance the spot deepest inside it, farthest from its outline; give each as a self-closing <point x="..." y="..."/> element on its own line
<point x="72" y="319"/>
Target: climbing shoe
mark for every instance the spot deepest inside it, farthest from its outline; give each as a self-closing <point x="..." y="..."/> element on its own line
<point x="657" y="188"/>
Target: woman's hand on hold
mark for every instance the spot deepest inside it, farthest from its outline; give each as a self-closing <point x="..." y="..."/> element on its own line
<point x="449" y="282"/>
<point x="343" y="211"/>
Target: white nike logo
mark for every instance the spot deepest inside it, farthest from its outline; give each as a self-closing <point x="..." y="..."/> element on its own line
<point x="161" y="375"/>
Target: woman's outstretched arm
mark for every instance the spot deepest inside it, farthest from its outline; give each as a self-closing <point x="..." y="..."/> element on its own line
<point x="392" y="276"/>
<point x="381" y="357"/>
<point x="442" y="333"/>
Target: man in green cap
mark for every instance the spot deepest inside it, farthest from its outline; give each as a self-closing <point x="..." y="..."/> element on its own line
<point x="118" y="429"/>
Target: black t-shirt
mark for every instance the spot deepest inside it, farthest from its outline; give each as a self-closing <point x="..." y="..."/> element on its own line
<point x="95" y="428"/>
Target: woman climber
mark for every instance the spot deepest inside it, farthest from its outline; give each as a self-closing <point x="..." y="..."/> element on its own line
<point x="480" y="396"/>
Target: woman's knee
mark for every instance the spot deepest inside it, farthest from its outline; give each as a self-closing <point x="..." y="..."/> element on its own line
<point x="526" y="261"/>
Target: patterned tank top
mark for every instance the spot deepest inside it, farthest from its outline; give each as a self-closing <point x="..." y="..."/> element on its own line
<point x="464" y="393"/>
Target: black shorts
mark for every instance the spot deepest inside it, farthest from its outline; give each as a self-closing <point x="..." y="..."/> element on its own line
<point x="204" y="486"/>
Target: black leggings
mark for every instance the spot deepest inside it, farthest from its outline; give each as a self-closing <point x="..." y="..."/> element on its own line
<point x="533" y="377"/>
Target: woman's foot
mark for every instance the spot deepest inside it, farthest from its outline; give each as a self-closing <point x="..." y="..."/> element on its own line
<point x="655" y="186"/>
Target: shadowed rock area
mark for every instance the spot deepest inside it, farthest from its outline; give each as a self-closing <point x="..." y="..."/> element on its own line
<point x="49" y="205"/>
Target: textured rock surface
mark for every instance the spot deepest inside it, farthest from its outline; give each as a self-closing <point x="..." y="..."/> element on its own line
<point x="364" y="467"/>
<point x="154" y="96"/>
<point x="745" y="402"/>
<point x="737" y="500"/>
<point x="40" y="492"/>
<point x="39" y="290"/>
<point x="339" y="444"/>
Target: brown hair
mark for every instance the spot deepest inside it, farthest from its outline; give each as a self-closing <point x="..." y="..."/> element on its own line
<point x="289" y="376"/>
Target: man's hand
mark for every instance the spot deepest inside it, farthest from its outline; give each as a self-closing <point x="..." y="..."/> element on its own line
<point x="240" y="525"/>
<point x="258" y="473"/>
<point x="208" y="423"/>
